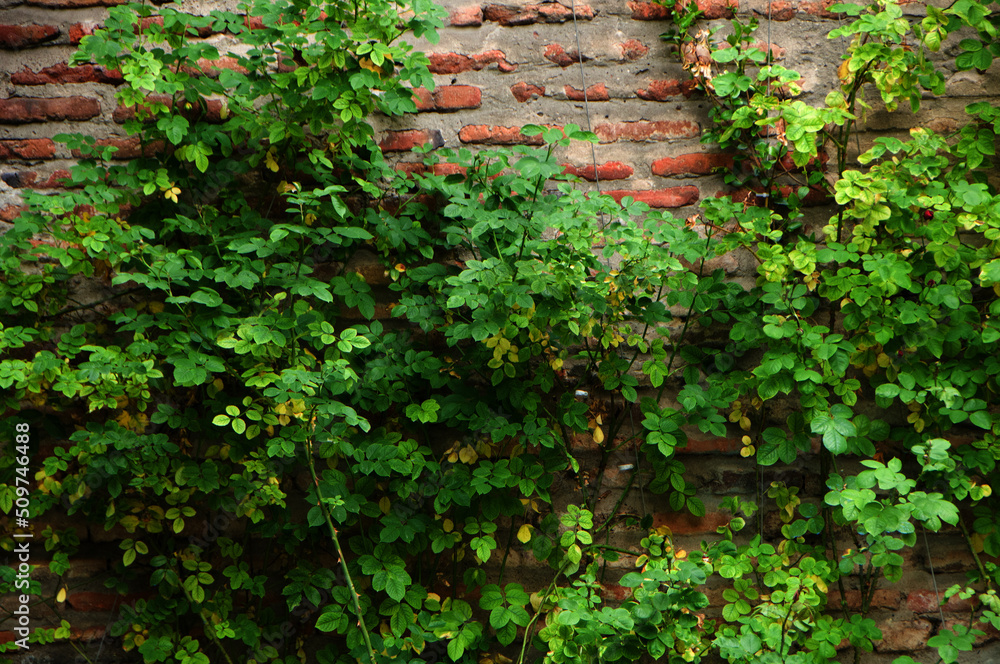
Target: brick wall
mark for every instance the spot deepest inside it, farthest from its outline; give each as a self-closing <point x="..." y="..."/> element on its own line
<point x="498" y="67"/>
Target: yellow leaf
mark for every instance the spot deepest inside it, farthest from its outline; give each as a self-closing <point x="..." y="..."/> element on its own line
<point x="270" y="161"/>
<point x="883" y="360"/>
<point x="556" y="364"/>
<point x="747" y="451"/>
<point x="61" y="597"/>
<point x="598" y="435"/>
<point x="524" y="534"/>
<point x="448" y="525"/>
<point x="384" y="504"/>
<point x="156" y="307"/>
<point x="468" y="454"/>
<point x="366" y="63"/>
<point x="217" y="382"/>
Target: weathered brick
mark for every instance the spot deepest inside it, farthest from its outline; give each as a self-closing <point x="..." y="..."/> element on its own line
<point x="407" y="139"/>
<point x="513" y="15"/>
<point x="128" y="148"/>
<point x="684" y="523"/>
<point x="700" y="163"/>
<point x="424" y="99"/>
<point x="9" y="213"/>
<point x="212" y="68"/>
<point x="448" y="98"/>
<point x="820" y="8"/>
<point x="212" y="109"/>
<point x="711" y="9"/>
<point x="633" y="49"/>
<point x="22" y="110"/>
<point x="661" y="130"/>
<point x="95" y="601"/>
<point x="903" y="635"/>
<point x="560" y="56"/>
<point x="648" y="11"/>
<point x="884" y="598"/>
<point x="78" y="31"/>
<point x="664" y="90"/>
<point x="14" y="37"/>
<point x="454" y="63"/>
<point x="776" y="10"/>
<point x="495" y="135"/>
<point x="524" y="91"/>
<point x="27" y="148"/>
<point x="697" y="444"/>
<point x="927" y="601"/>
<point x="62" y="73"/>
<point x="73" y="4"/>
<point x="468" y="16"/>
<point x="29" y="179"/>
<point x="595" y="92"/>
<point x="457" y="97"/>
<point x="610" y="170"/>
<point x="203" y="31"/>
<point x="672" y="197"/>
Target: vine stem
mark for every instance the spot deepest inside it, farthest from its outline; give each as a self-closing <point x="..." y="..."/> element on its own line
<point x="320" y="502"/>
<point x="531" y="623"/>
<point x="209" y="629"/>
<point x="975" y="556"/>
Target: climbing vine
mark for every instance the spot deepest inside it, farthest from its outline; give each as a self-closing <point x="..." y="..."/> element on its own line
<point x="326" y="403"/>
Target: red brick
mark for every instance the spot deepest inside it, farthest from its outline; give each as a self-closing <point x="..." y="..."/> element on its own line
<point x="903" y="635"/>
<point x="664" y="90"/>
<point x="203" y="31"/>
<point x="512" y="15"/>
<point x="128" y="148"/>
<point x="94" y="601"/>
<point x="662" y="130"/>
<point x="13" y="37"/>
<point x="557" y="54"/>
<point x="779" y="10"/>
<point x="820" y="8"/>
<point x="713" y="9"/>
<point x="448" y="98"/>
<point x="62" y="73"/>
<point x="212" y="109"/>
<point x="22" y="110"/>
<point x="633" y="49"/>
<point x="776" y="52"/>
<point x="9" y="213"/>
<point x="595" y="92"/>
<point x="699" y="163"/>
<point x="524" y="91"/>
<point x="614" y="592"/>
<point x="487" y="135"/>
<point x="816" y="196"/>
<point x="424" y="99"/>
<point x="407" y="139"/>
<point x="683" y="523"/>
<point x="27" y="148"/>
<point x="884" y="598"/>
<point x="457" y="97"/>
<point x="648" y="11"/>
<point x="212" y="68"/>
<point x="73" y="4"/>
<point x="673" y="197"/>
<point x="927" y="601"/>
<point x="454" y="63"/>
<point x="29" y="180"/>
<point x="611" y="170"/>
<point x="698" y="445"/>
<point x="78" y="31"/>
<point x="468" y="16"/>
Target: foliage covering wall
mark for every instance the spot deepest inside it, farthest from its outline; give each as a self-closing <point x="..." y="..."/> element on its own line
<point x="290" y="401"/>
